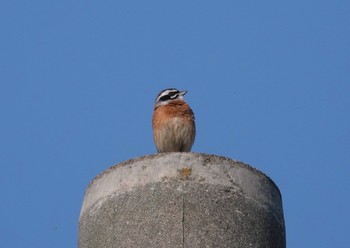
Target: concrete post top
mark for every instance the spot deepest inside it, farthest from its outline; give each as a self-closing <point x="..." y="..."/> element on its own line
<point x="197" y="168"/>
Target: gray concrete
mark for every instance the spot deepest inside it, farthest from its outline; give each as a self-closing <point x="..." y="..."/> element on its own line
<point x="182" y="200"/>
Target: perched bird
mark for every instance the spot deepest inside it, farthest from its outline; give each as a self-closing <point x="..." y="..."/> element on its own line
<point x="173" y="124"/>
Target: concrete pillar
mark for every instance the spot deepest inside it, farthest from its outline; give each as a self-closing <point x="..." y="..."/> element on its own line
<point x="182" y="200"/>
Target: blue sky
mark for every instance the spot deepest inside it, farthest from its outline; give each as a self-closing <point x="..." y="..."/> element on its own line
<point x="269" y="83"/>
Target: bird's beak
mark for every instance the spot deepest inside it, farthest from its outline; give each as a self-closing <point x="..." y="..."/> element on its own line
<point x="183" y="92"/>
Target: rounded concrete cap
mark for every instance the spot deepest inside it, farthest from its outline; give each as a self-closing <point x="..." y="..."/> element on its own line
<point x="206" y="190"/>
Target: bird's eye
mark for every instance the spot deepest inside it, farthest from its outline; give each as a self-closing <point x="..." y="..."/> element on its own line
<point x="173" y="95"/>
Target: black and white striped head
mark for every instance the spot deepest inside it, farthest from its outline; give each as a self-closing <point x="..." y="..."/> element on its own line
<point x="168" y="95"/>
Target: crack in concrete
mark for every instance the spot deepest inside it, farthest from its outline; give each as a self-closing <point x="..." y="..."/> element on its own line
<point x="183" y="219"/>
<point x="183" y="206"/>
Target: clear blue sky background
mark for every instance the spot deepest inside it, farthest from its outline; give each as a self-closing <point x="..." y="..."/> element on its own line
<point x="269" y="83"/>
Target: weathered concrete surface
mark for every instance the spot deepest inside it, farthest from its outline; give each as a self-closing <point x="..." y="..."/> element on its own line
<point x="182" y="200"/>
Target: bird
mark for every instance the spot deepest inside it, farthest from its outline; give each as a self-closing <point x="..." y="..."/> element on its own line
<point x="173" y="122"/>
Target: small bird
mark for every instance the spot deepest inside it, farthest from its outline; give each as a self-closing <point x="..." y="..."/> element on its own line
<point x="173" y="123"/>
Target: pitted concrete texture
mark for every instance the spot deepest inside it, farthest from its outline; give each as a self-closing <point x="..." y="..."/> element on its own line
<point x="182" y="200"/>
